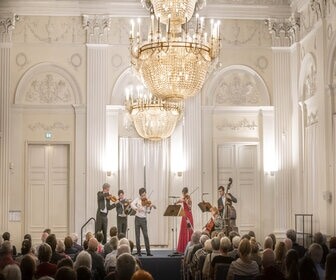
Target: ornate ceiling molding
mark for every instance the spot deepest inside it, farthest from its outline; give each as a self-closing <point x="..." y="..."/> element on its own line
<point x="97" y="27"/>
<point x="233" y="9"/>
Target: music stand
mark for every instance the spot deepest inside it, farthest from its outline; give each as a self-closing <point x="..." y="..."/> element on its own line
<point x="174" y="211"/>
<point x="204" y="206"/>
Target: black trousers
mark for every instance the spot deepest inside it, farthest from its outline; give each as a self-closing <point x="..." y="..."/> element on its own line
<point x="101" y="224"/>
<point x="141" y="223"/>
<point x="122" y="225"/>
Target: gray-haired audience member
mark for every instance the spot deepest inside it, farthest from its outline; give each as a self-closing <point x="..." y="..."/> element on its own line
<point x="291" y="234"/>
<point x="126" y="266"/>
<point x="235" y="244"/>
<point x="12" y="272"/>
<point x="83" y="259"/>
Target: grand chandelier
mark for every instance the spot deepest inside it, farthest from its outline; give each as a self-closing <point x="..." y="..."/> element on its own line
<point x="153" y="118"/>
<point x="173" y="61"/>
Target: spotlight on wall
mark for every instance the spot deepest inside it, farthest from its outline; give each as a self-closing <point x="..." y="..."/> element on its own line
<point x="109" y="173"/>
<point x="179" y="173"/>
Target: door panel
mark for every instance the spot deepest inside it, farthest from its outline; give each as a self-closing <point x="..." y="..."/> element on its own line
<point x="47" y="190"/>
<point x="240" y="162"/>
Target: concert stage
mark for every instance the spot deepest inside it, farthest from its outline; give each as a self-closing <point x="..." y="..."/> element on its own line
<point x="163" y="265"/>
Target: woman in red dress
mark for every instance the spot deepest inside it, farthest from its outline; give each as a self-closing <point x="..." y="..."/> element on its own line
<point x="187" y="223"/>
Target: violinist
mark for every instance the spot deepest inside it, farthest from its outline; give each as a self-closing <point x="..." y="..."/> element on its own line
<point x="105" y="203"/>
<point x="142" y="205"/>
<point x="121" y="215"/>
<point x="187" y="223"/>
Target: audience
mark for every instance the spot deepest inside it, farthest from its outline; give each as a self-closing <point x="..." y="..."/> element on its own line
<point x="243" y="257"/>
<point x="6" y="237"/>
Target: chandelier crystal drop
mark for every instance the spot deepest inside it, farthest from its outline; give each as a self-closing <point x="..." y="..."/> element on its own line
<point x="153" y="118"/>
<point x="173" y="60"/>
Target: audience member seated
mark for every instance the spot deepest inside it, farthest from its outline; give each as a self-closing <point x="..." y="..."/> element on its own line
<point x="272" y="235"/>
<point x="215" y="244"/>
<point x="111" y="258"/>
<point x="52" y="241"/>
<point x="315" y="252"/>
<point x="28" y="267"/>
<point x="74" y="237"/>
<point x="332" y="244"/>
<point x="98" y="270"/>
<point x="268" y="243"/>
<point x="307" y="270"/>
<point x="108" y="246"/>
<point x="289" y="244"/>
<point x="100" y="238"/>
<point x="291" y="234"/>
<point x="195" y="245"/>
<point x="235" y="244"/>
<point x="83" y="259"/>
<point x="142" y="275"/>
<point x="126" y="266"/>
<point x="292" y="265"/>
<point x="45" y="268"/>
<point x="199" y="253"/>
<point x="6" y="257"/>
<point x="223" y="258"/>
<point x="65" y="262"/>
<point x="319" y="238"/>
<point x="60" y="249"/>
<point x="26" y="249"/>
<point x="269" y="269"/>
<point x="65" y="273"/>
<point x="83" y="273"/>
<point x="255" y="256"/>
<point x="330" y="272"/>
<point x="70" y="249"/>
<point x="88" y="236"/>
<point x="6" y="237"/>
<point x="280" y="256"/>
<point x="12" y="272"/>
<point x="243" y="266"/>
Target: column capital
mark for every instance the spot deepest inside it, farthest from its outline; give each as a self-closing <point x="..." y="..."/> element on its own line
<point x="285" y="32"/>
<point x="7" y="25"/>
<point x="97" y="27"/>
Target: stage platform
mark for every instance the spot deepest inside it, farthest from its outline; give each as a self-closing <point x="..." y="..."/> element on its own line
<point x="163" y="265"/>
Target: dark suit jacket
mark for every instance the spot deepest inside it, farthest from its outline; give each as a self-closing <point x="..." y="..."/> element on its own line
<point x="101" y="197"/>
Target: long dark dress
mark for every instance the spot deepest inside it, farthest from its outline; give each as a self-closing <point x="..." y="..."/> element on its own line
<point x="186" y="228"/>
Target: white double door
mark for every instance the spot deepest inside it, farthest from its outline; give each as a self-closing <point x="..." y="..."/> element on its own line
<point x="47" y="190"/>
<point x="240" y="162"/>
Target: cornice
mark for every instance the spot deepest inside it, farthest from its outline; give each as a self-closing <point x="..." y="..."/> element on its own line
<point x="133" y="8"/>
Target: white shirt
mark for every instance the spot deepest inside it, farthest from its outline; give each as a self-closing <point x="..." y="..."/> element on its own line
<point x="141" y="211"/>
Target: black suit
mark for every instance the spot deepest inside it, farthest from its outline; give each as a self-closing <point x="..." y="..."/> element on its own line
<point x="101" y="217"/>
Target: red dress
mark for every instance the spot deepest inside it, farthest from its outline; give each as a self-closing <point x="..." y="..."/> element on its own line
<point x="186" y="228"/>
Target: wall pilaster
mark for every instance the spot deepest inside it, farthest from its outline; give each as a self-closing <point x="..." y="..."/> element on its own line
<point x="97" y="92"/>
<point x="7" y="24"/>
<point x="192" y="177"/>
<point x="284" y="34"/>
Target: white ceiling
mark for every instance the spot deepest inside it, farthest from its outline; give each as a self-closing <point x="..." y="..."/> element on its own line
<point x="234" y="9"/>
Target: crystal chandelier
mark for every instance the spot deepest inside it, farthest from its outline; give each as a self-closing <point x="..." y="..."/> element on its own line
<point x="173" y="61"/>
<point x="153" y="118"/>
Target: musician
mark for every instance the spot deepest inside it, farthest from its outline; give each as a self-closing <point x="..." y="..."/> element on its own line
<point x="142" y="206"/>
<point x="121" y="215"/>
<point x="215" y="224"/>
<point x="104" y="205"/>
<point x="221" y="200"/>
<point x="187" y="223"/>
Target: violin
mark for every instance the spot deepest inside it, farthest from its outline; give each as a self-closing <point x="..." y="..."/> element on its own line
<point x="113" y="198"/>
<point x="147" y="203"/>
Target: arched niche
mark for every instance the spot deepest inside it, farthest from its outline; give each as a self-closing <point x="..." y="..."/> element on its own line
<point x="236" y="85"/>
<point x="307" y="78"/>
<point x="126" y="78"/>
<point x="47" y="84"/>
